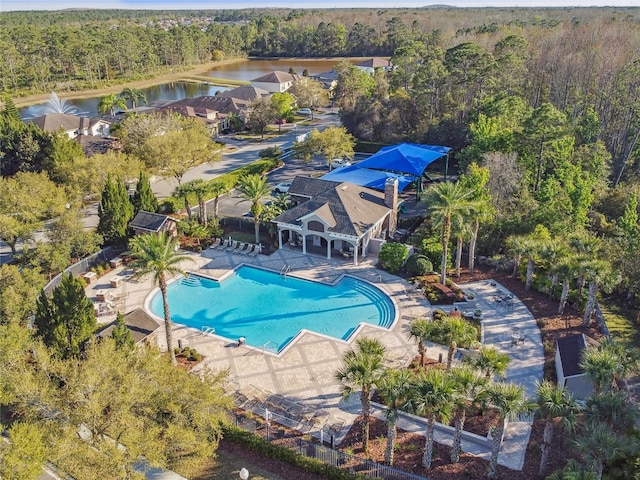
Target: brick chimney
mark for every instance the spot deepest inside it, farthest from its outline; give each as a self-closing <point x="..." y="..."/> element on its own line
<point x="391" y="201"/>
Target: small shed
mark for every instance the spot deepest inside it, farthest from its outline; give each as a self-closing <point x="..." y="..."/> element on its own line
<point x="141" y="325"/>
<point x="569" y="353"/>
<point x="147" y="222"/>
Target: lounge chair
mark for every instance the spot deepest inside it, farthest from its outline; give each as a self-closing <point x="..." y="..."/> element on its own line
<point x="245" y="249"/>
<point x="232" y="245"/>
<point x="216" y="243"/>
<point x="242" y="246"/>
<point x="255" y="251"/>
<point x="250" y="249"/>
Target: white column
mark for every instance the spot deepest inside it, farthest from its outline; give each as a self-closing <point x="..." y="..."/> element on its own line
<point x="355" y="254"/>
<point x="304" y="243"/>
<point x="279" y="238"/>
<point x="328" y="248"/>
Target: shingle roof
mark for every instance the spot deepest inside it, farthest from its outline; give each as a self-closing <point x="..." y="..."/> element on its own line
<point x="245" y="92"/>
<point x="217" y="103"/>
<point x="347" y="209"/>
<point x="310" y="187"/>
<point x="53" y="122"/>
<point x="374" y="63"/>
<point x="570" y="349"/>
<point x="152" y="222"/>
<point x="139" y="323"/>
<point x="275" y="77"/>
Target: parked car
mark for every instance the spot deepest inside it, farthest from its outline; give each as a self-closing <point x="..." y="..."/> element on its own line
<point x="304" y="111"/>
<point x="282" y="187"/>
<point x="340" y="163"/>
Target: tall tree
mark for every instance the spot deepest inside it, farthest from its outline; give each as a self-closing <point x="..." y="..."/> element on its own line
<point x="554" y="405"/>
<point x="453" y="332"/>
<point x="490" y="361"/>
<point x="446" y="200"/>
<point x="134" y="96"/>
<point x="394" y="388"/>
<point x="362" y="368"/>
<point x="157" y="255"/>
<point x="23" y="457"/>
<point x="122" y="335"/>
<point x="115" y="211"/>
<point x="143" y="198"/>
<point x="509" y="401"/>
<point x="467" y="386"/>
<point x="67" y="320"/>
<point x="254" y="188"/>
<point x="260" y="113"/>
<point x="201" y="190"/>
<point x="111" y="103"/>
<point x="431" y="397"/>
<point x="218" y="188"/>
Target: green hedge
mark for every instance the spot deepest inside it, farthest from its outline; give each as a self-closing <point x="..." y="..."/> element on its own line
<point x="263" y="447"/>
<point x="173" y="204"/>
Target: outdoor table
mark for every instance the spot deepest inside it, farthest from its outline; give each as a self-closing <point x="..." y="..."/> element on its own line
<point x="116" y="282"/>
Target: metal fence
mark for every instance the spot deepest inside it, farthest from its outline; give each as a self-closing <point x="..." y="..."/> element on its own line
<point x="275" y="430"/>
<point x="83" y="265"/>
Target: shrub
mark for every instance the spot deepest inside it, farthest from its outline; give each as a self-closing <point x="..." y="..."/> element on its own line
<point x="274" y="151"/>
<point x="418" y="264"/>
<point x="432" y="249"/>
<point x="392" y="255"/>
<point x="439" y="314"/>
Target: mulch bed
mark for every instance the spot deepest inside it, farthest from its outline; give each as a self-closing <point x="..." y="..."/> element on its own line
<point x="408" y="454"/>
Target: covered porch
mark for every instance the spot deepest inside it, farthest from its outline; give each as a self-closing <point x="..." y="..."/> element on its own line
<point x="348" y="249"/>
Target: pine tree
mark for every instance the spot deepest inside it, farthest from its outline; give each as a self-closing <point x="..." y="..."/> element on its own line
<point x="67" y="320"/>
<point x="115" y="212"/>
<point x="10" y="110"/>
<point x="143" y="199"/>
<point x="121" y="334"/>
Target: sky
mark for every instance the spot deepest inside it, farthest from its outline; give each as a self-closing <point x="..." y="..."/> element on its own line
<point x="9" y="5"/>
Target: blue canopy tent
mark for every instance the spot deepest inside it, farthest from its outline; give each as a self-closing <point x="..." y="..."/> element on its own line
<point x="405" y="161"/>
<point x="367" y="178"/>
<point x="407" y="158"/>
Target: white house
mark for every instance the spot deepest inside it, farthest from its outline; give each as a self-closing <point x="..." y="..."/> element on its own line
<point x="274" y="82"/>
<point x="73" y="125"/>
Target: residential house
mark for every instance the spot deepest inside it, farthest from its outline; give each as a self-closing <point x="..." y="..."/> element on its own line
<point x="247" y="93"/>
<point x="143" y="327"/>
<point x="72" y="125"/>
<point x="206" y="106"/>
<point x="275" y="82"/>
<point x="372" y="64"/>
<point x="569" y="372"/>
<point x="147" y="222"/>
<point x="338" y="218"/>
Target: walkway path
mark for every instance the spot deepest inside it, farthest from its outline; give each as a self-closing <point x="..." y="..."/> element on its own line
<point x="305" y="372"/>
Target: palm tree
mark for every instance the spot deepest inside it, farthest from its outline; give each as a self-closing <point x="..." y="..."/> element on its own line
<point x="516" y="247"/>
<point x="201" y="189"/>
<point x="453" y="332"/>
<point x="157" y="255"/>
<point x="585" y="246"/>
<point x="509" y="401"/>
<point x="134" y="95"/>
<point x="110" y="103"/>
<point x="572" y="471"/>
<point x="462" y="231"/>
<point x="490" y="361"/>
<point x="598" y="444"/>
<point x="482" y="211"/>
<point x="566" y="271"/>
<point x="599" y="274"/>
<point x="362" y="368"/>
<point x="600" y="365"/>
<point x="553" y="253"/>
<point x="431" y="397"/>
<point x="255" y="188"/>
<point x="419" y="329"/>
<point x="184" y="191"/>
<point x="467" y="385"/>
<point x="445" y="201"/>
<point x="393" y="389"/>
<point x="532" y="248"/>
<point x="555" y="404"/>
<point x="218" y="189"/>
<point x="612" y="408"/>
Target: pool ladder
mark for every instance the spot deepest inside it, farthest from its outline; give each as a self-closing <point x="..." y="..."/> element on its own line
<point x="267" y="346"/>
<point x="285" y="270"/>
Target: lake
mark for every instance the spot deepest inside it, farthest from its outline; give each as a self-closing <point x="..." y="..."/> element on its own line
<point x="246" y="70"/>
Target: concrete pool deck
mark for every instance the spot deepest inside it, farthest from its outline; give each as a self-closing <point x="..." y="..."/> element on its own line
<point x="304" y="373"/>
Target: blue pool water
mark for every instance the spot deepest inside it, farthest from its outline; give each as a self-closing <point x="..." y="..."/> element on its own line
<point x="267" y="308"/>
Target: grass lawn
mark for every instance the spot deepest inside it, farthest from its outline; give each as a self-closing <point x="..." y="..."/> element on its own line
<point x="621" y="325"/>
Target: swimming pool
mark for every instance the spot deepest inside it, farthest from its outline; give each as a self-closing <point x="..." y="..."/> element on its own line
<point x="269" y="309"/>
